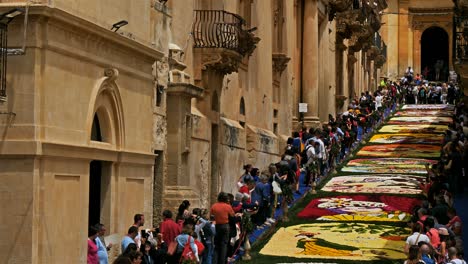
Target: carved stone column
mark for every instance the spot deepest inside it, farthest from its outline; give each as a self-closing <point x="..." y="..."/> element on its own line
<point x="310" y="73"/>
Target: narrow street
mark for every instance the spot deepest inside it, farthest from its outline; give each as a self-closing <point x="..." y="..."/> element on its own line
<point x="361" y="213"/>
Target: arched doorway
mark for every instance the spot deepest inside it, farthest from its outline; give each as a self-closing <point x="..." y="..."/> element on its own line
<point x="435" y="54"/>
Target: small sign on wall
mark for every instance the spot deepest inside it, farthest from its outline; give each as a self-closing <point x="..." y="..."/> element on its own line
<point x="302" y="107"/>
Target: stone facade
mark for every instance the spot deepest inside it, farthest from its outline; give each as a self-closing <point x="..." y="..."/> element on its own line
<point x="405" y="21"/>
<point x="76" y="128"/>
<point x="99" y="125"/>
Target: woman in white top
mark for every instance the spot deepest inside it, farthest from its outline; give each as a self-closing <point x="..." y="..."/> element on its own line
<point x="416" y="237"/>
<point x="378" y="101"/>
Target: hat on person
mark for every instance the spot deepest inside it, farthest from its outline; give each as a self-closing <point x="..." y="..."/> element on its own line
<point x="238" y="196"/>
<point x="443" y="231"/>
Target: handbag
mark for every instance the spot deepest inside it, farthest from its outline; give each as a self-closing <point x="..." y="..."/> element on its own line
<point x="276" y="187"/>
<point x="171" y="249"/>
<point x="187" y="255"/>
<point x="200" y="246"/>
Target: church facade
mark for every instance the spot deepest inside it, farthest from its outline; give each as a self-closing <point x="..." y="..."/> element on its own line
<point x="419" y="34"/>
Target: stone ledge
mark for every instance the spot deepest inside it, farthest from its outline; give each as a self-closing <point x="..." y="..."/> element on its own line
<point x="261" y="140"/>
<point x="12" y="149"/>
<point x="232" y="134"/>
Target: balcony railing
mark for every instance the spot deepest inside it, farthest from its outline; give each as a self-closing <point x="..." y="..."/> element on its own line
<point x="3" y="59"/>
<point x="217" y="29"/>
<point x="377" y="40"/>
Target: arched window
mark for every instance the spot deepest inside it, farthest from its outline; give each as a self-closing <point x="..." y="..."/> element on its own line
<point x="96" y="129"/>
<point x="242" y="106"/>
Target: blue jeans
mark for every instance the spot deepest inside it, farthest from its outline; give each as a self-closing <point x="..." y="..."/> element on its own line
<point x="208" y="255"/>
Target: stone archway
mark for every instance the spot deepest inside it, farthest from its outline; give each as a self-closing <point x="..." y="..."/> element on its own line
<point x="106" y="104"/>
<point x="435" y="53"/>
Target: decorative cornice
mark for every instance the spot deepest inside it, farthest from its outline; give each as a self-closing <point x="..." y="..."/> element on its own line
<point x="184" y="89"/>
<point x="280" y="62"/>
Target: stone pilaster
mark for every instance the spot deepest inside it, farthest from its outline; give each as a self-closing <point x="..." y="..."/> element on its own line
<point x="310" y="74"/>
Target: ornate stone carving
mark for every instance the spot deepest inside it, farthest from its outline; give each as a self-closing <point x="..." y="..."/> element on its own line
<point x="348" y="22"/>
<point x="351" y="59"/>
<point x="221" y="60"/>
<point x="372" y="52"/>
<point x="111" y="74"/>
<point x="160" y="72"/>
<point x="339" y="100"/>
<point x="379" y="61"/>
<point x="337" y="6"/>
<point x="247" y="42"/>
<point x="280" y="62"/>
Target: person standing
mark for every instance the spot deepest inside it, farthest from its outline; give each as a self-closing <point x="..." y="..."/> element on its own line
<point x="138" y="221"/>
<point x="169" y="228"/>
<point x="92" y="257"/>
<point x="129" y="238"/>
<point x="101" y="244"/>
<point x="221" y="212"/>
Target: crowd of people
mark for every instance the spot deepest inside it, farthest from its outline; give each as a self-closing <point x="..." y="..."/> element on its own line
<point x="436" y="228"/>
<point x="219" y="234"/>
<point x="416" y="90"/>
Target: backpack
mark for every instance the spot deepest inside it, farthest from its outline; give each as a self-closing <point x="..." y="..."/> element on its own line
<point x="206" y="233"/>
<point x="304" y="154"/>
<point x="422" y="93"/>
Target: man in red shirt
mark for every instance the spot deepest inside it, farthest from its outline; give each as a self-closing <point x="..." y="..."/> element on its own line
<point x="221" y="211"/>
<point x="168" y="228"/>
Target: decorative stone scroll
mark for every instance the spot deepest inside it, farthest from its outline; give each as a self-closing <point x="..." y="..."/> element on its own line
<point x="111" y="74"/>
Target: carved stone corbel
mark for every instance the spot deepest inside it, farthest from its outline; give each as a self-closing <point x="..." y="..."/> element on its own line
<point x="280" y="62"/>
<point x="351" y="59"/>
<point x="221" y="60"/>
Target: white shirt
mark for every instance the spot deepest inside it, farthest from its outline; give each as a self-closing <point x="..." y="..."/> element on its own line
<point x="378" y="101"/>
<point x="321" y="148"/>
<point x="414" y="239"/>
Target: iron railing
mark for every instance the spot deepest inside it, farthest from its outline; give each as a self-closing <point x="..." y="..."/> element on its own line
<point x="217" y="29"/>
<point x="3" y="58"/>
<point x="377" y="40"/>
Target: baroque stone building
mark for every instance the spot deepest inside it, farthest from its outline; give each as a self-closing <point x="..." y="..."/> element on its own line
<point x="419" y="34"/>
<point x="101" y="120"/>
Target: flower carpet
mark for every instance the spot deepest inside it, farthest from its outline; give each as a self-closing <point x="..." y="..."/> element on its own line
<point x="388" y="165"/>
<point x="407" y="138"/>
<point x="359" y="213"/>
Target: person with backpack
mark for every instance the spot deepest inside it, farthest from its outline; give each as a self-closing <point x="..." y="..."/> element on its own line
<point x="287" y="182"/>
<point x="422" y="95"/>
<point x="205" y="230"/>
<point x="309" y="157"/>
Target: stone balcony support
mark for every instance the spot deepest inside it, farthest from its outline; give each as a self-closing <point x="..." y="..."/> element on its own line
<point x="179" y="133"/>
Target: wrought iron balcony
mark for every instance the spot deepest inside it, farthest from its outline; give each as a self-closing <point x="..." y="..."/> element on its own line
<point x="221" y="29"/>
